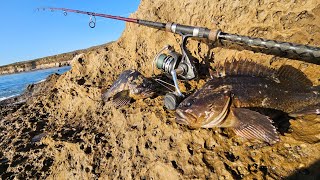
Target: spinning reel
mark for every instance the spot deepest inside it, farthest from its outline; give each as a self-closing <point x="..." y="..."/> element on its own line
<point x="176" y="66"/>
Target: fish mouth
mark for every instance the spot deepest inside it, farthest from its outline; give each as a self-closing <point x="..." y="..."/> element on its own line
<point x="105" y="95"/>
<point x="147" y="93"/>
<point x="183" y="117"/>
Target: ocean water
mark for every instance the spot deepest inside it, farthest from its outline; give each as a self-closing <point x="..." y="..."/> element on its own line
<point x="14" y="84"/>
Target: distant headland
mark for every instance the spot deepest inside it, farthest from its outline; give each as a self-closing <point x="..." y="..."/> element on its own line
<point x="44" y="63"/>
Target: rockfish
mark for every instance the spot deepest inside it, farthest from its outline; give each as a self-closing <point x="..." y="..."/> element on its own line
<point x="225" y="101"/>
<point x="130" y="85"/>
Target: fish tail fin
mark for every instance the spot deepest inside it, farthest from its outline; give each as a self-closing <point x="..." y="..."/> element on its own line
<point x="253" y="125"/>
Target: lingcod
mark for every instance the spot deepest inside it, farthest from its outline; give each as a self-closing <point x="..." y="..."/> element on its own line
<point x="130" y="85"/>
<point x="228" y="99"/>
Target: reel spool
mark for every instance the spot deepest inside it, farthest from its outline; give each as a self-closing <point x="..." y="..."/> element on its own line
<point x="167" y="63"/>
<point x="173" y="68"/>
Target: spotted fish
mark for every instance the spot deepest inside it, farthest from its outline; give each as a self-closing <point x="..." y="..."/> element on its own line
<point x="226" y="101"/>
<point x="130" y="85"/>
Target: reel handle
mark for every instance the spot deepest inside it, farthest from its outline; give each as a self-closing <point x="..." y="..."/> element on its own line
<point x="173" y="99"/>
<point x="175" y="81"/>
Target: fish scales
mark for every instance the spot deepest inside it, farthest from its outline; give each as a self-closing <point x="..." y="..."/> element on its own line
<point x="263" y="92"/>
<point x="224" y="101"/>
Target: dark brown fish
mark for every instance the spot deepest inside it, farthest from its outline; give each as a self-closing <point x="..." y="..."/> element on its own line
<point x="130" y="85"/>
<point x="224" y="101"/>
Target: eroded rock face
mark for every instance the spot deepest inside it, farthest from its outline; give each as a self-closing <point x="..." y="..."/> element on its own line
<point x="70" y="133"/>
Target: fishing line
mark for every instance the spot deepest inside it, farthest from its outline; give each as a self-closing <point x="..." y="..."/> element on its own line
<point x="159" y="81"/>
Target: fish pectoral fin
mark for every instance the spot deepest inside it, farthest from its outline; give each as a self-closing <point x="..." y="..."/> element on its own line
<point x="253" y="125"/>
<point x="122" y="98"/>
<point x="315" y="109"/>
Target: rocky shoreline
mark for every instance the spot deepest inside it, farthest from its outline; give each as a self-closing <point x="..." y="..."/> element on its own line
<point x="65" y="131"/>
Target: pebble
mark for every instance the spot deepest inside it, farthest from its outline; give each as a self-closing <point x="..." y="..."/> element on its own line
<point x="297" y="148"/>
<point x="210" y="144"/>
<point x="253" y="154"/>
<point x="286" y="145"/>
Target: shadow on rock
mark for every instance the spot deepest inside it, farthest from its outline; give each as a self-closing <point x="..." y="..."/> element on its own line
<point x="307" y="173"/>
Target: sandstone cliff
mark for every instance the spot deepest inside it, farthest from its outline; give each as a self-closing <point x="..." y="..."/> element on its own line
<point x="43" y="63"/>
<point x="70" y="134"/>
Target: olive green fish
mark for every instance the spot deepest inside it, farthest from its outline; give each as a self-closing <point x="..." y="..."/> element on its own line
<point x="130" y="85"/>
<point x="225" y="101"/>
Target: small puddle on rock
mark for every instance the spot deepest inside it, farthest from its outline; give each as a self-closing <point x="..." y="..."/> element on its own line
<point x="38" y="137"/>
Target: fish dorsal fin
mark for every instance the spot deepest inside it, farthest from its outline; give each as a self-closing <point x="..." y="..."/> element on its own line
<point x="293" y="77"/>
<point x="244" y="68"/>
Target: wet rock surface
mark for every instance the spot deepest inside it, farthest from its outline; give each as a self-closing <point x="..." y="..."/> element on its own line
<point x="67" y="132"/>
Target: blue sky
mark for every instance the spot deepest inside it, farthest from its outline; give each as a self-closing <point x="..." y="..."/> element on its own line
<point x="26" y="34"/>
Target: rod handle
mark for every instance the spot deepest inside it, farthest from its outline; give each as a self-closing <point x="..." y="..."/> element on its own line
<point x="285" y="48"/>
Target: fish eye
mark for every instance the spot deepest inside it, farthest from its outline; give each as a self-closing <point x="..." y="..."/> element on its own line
<point x="188" y="104"/>
<point x="144" y="85"/>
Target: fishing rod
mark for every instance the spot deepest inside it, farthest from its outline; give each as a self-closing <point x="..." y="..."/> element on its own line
<point x="183" y="66"/>
<point x="213" y="35"/>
